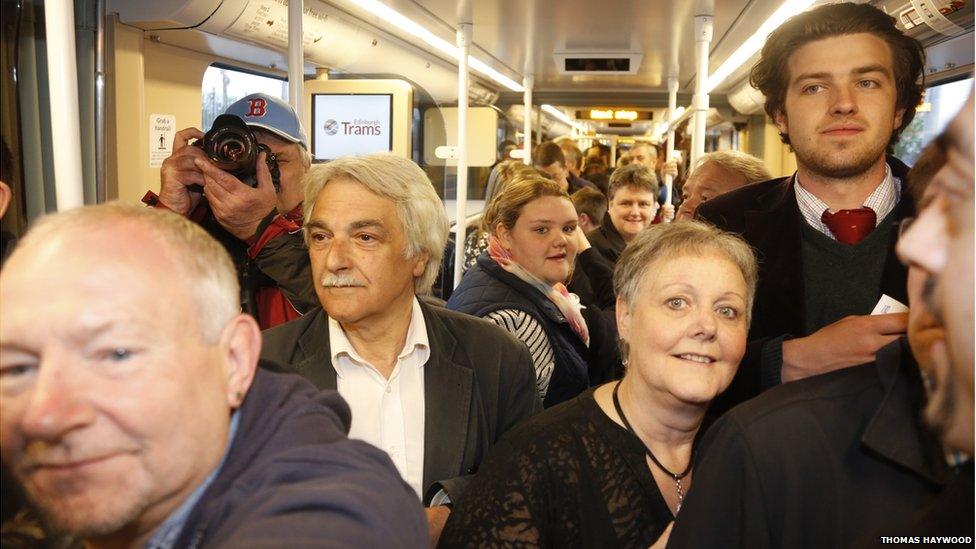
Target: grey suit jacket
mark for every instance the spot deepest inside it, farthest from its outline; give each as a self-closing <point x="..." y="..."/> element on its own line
<point x="479" y="382"/>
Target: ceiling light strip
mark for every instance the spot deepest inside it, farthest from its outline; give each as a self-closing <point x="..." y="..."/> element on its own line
<point x="413" y="28"/>
<point x="561" y="116"/>
<point x="755" y="42"/>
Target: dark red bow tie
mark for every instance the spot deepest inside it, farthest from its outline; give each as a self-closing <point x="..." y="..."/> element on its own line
<point x="850" y="226"/>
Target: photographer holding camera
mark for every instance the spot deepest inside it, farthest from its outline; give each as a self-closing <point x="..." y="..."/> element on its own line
<point x="242" y="181"/>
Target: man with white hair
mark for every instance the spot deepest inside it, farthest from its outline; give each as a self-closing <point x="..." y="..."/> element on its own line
<point x="432" y="387"/>
<point x="134" y="414"/>
<point x="717" y="173"/>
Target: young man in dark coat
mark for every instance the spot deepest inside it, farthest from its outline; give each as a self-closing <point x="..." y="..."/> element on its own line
<point x="432" y="387"/>
<point x="826" y="235"/>
<point x="134" y="414"/>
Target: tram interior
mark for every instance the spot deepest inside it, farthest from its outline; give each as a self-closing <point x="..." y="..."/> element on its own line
<point x="600" y="73"/>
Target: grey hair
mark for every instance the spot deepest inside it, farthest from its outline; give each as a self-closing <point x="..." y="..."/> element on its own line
<point x="747" y="165"/>
<point x="208" y="272"/>
<point x="669" y="241"/>
<point x="400" y="180"/>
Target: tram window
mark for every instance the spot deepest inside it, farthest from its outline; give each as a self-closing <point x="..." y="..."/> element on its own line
<point x="223" y="85"/>
<point x="941" y="103"/>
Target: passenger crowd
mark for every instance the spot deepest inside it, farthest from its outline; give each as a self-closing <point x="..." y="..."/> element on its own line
<point x="608" y="373"/>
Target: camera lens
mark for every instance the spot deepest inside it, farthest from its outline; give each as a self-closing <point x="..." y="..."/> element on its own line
<point x="231" y="150"/>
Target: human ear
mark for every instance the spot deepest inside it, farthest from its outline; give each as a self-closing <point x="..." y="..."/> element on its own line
<point x="623" y="319"/>
<point x="240" y="349"/>
<point x="420" y="263"/>
<point x="504" y="236"/>
<point x="782" y="124"/>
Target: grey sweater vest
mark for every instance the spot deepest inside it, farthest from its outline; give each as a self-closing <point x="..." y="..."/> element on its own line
<point x="841" y="279"/>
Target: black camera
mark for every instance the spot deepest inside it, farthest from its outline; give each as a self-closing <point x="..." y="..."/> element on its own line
<point x="232" y="147"/>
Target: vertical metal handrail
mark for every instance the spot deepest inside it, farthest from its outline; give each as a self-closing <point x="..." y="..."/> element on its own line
<point x="527" y="82"/>
<point x="62" y="67"/>
<point x="669" y="152"/>
<point x="703" y="38"/>
<point x="463" y="43"/>
<point x="296" y="56"/>
<point x="101" y="190"/>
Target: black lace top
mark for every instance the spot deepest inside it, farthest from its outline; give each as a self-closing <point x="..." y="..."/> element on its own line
<point x="568" y="477"/>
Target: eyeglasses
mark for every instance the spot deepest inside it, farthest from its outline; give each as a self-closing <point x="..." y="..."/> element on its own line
<point x="904" y="225"/>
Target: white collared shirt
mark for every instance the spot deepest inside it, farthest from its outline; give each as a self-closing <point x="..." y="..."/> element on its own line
<point x="882" y="201"/>
<point x="387" y="413"/>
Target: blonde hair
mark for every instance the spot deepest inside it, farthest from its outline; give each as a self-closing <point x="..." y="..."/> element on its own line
<point x="397" y="179"/>
<point x="209" y="273"/>
<point x="507" y="205"/>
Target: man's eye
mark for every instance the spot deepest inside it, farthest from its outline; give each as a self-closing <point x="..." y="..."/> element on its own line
<point x="366" y="238"/>
<point x="870" y="84"/>
<point x="16" y="370"/>
<point x="118" y="354"/>
<point x="813" y="88"/>
<point x="318" y="237"/>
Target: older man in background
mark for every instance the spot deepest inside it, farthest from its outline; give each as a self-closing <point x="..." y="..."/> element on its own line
<point x="133" y="412"/>
<point x="432" y="387"/>
<point x="717" y="173"/>
<point x="252" y="221"/>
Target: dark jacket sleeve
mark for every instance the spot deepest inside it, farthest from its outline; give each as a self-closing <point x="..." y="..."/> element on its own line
<point x="725" y="506"/>
<point x="284" y="259"/>
<point x="518" y="399"/>
<point x="362" y="503"/>
<point x="599" y="271"/>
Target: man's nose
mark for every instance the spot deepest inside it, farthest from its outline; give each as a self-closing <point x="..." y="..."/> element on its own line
<point x="337" y="256"/>
<point x="845" y="102"/>
<point x="925" y="243"/>
<point x="58" y="404"/>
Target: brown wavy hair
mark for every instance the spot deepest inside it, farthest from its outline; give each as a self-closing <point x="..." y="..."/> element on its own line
<point x="771" y="74"/>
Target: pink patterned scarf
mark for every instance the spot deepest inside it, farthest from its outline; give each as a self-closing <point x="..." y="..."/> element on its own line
<point x="567" y="303"/>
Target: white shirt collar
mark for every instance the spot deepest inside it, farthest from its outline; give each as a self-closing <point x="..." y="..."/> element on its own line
<point x="883" y="200"/>
<point x="416" y="340"/>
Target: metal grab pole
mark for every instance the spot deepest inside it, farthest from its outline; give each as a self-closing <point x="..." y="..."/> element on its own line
<point x="703" y="38"/>
<point x="527" y="83"/>
<point x="296" y="55"/>
<point x="669" y="152"/>
<point x="101" y="190"/>
<point x="460" y="225"/>
<point x="62" y="73"/>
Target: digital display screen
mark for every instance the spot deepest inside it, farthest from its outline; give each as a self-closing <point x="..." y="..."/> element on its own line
<point x="620" y="64"/>
<point x="351" y="124"/>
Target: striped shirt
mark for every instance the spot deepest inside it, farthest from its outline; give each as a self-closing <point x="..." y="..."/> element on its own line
<point x="882" y="201"/>
<point x="529" y="331"/>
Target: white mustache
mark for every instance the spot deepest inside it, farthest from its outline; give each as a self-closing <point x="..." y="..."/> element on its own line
<point x="341" y="280"/>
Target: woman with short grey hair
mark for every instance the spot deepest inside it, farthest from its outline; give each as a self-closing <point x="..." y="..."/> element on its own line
<point x="611" y="467"/>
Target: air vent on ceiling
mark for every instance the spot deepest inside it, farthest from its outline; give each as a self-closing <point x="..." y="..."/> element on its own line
<point x="578" y="62"/>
